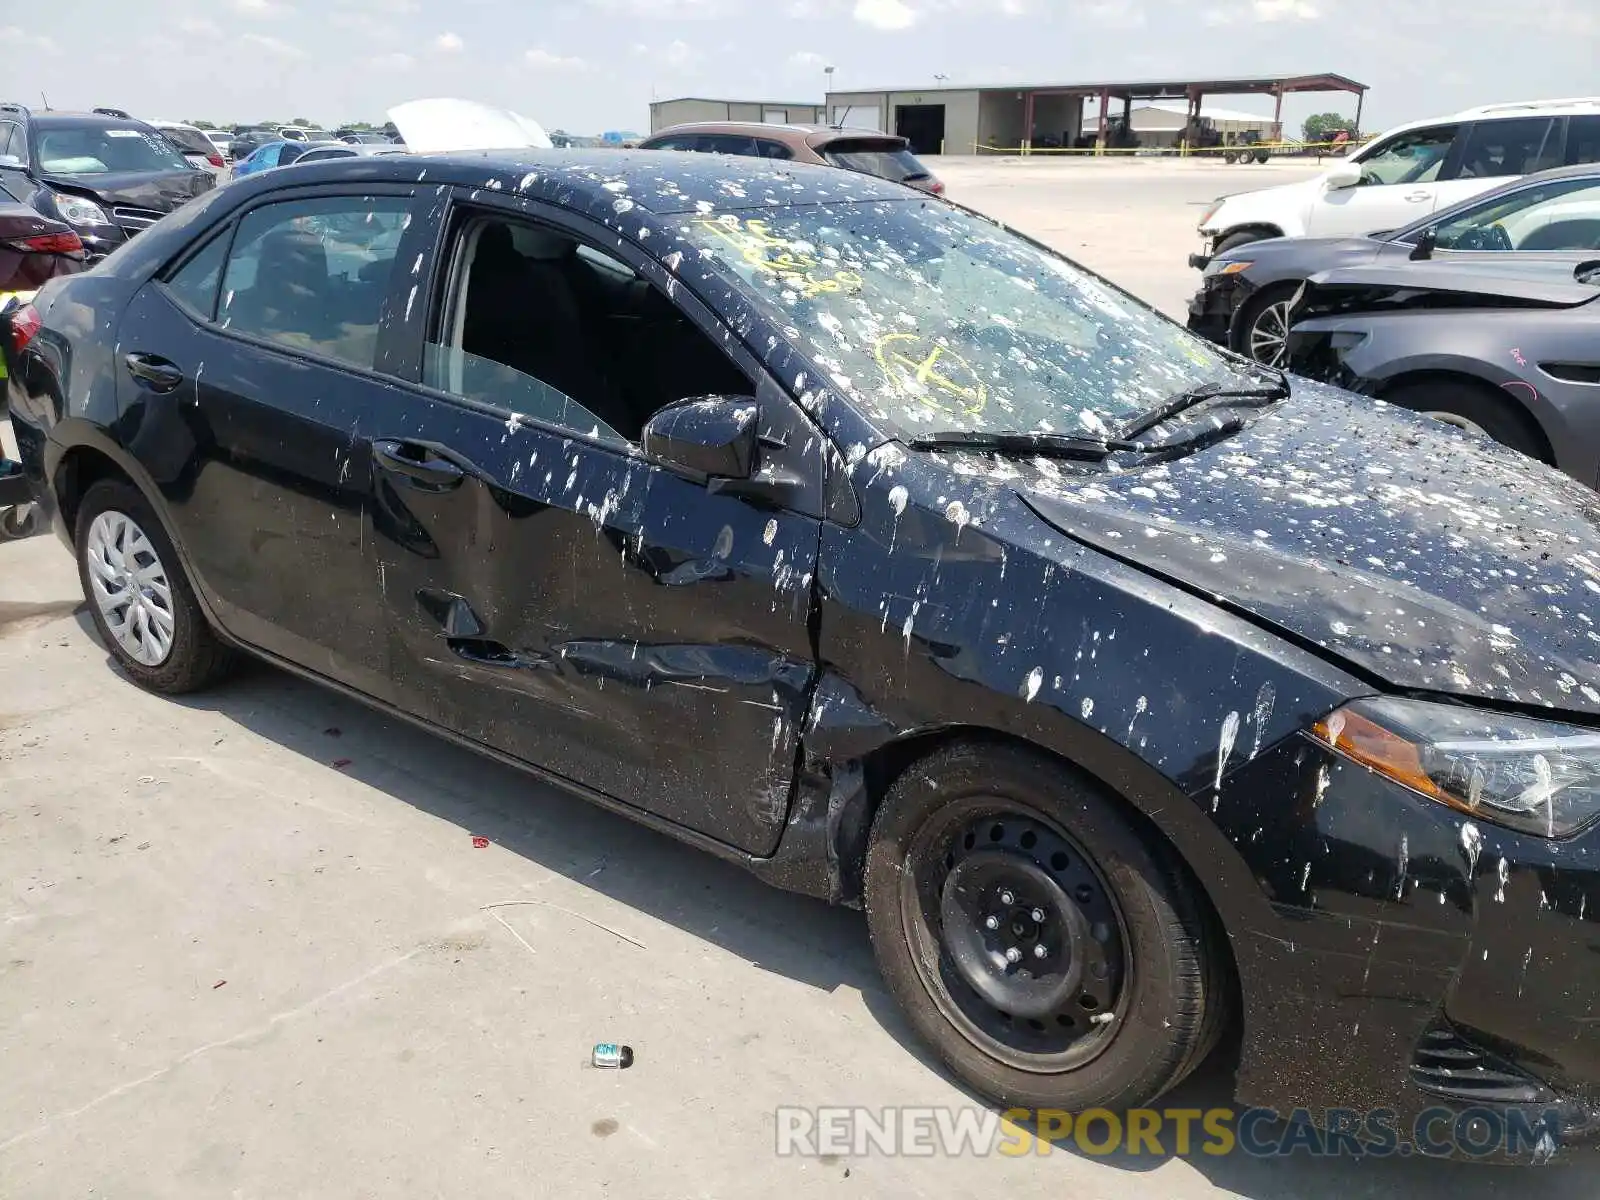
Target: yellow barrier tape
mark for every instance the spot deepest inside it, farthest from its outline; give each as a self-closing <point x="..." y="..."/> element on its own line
<point x="1176" y="151"/>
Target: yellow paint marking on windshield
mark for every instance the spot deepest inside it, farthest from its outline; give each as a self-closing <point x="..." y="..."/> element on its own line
<point x="780" y="257"/>
<point x="908" y="362"/>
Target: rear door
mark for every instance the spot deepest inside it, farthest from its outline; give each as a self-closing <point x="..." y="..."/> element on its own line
<point x="248" y="391"/>
<point x="552" y="593"/>
<point x="1496" y="152"/>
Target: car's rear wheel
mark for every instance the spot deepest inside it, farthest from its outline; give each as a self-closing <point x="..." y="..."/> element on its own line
<point x="1263" y="328"/>
<point x="1476" y="408"/>
<point x="139" y="598"/>
<point x="1051" y="953"/>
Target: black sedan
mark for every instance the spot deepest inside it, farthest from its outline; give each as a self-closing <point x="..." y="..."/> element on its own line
<point x="1138" y="693"/>
<point x="1245" y="293"/>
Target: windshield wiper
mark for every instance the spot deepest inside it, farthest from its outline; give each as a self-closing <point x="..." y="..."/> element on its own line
<point x="1194" y="397"/>
<point x="1007" y="441"/>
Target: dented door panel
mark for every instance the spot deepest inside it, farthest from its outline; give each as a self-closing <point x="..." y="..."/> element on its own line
<point x="580" y="608"/>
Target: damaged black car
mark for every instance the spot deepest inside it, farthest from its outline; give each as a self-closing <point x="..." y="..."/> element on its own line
<point x="1139" y="694"/>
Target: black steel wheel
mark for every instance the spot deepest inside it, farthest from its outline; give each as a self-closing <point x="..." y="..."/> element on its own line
<point x="1020" y="941"/>
<point x="1050" y="951"/>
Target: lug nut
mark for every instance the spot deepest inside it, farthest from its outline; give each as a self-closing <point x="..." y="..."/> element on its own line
<point x="1039" y="951"/>
<point x="991" y="922"/>
<point x="1038" y="916"/>
<point x="1007" y="897"/>
<point x="1013" y="955"/>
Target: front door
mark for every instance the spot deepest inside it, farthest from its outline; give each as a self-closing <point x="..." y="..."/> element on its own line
<point x="1399" y="185"/>
<point x="553" y="594"/>
<point x="246" y="379"/>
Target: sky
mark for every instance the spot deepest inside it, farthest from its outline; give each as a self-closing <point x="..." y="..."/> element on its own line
<point x="592" y="65"/>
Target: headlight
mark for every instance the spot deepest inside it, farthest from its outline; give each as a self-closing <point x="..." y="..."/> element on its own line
<point x="1539" y="777"/>
<point x="75" y="210"/>
<point x="1223" y="267"/>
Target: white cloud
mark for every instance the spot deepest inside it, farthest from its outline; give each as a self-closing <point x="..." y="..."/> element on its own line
<point x="448" y="43"/>
<point x="546" y="60"/>
<point x="261" y="9"/>
<point x="676" y="54"/>
<point x="200" y="27"/>
<point x="397" y="61"/>
<point x="1112" y="14"/>
<point x="1284" y="10"/>
<point x="805" y="60"/>
<point x="276" y="47"/>
<point x="669" y="10"/>
<point x="885" y="14"/>
<point x="13" y="35"/>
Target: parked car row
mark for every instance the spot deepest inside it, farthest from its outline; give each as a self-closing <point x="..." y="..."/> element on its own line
<point x="1484" y="314"/>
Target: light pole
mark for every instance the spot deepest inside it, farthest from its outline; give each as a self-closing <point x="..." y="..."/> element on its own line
<point x="827" y="86"/>
<point x="941" y="79"/>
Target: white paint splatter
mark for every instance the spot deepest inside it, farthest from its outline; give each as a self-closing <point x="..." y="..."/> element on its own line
<point x="1472" y="843"/>
<point x="1229" y="735"/>
<point x="1031" y="686"/>
<point x="1505" y="877"/>
<point x="897" y="499"/>
<point x="1086" y="708"/>
<point x="1265" y="699"/>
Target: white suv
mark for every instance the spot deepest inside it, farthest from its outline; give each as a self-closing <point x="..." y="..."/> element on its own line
<point x="1411" y="171"/>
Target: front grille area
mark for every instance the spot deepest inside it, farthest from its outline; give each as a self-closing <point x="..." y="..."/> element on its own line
<point x="132" y="220"/>
<point x="1445" y="1064"/>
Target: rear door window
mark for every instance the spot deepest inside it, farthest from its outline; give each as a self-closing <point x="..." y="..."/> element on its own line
<point x="1513" y="147"/>
<point x="885" y="159"/>
<point x="768" y="148"/>
<point x="728" y="143"/>
<point x="1583" y="140"/>
<point x="312" y="274"/>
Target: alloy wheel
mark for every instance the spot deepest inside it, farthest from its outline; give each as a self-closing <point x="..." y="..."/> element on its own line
<point x="1269" y="334"/>
<point x="1016" y="935"/>
<point x="130" y="587"/>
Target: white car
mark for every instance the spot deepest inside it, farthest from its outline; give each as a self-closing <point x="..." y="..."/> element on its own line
<point x="304" y="133"/>
<point x="1411" y="171"/>
<point x="222" y="140"/>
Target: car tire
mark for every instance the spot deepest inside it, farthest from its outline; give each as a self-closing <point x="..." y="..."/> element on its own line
<point x="978" y="826"/>
<point x="1477" y="408"/>
<point x="1242" y="237"/>
<point x="1264" y="322"/>
<point x="142" y="603"/>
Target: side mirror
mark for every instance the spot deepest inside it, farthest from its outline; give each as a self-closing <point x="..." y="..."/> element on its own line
<point x="1345" y="175"/>
<point x="706" y="437"/>
<point x="1425" y="244"/>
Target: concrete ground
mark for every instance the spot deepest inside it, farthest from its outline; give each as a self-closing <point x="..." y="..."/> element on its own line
<point x="249" y="948"/>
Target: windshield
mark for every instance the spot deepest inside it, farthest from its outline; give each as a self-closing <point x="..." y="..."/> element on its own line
<point x="100" y="149"/>
<point x="934" y="319"/>
<point x="887" y="161"/>
<point x="191" y="141"/>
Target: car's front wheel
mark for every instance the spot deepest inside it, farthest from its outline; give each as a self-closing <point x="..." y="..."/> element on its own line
<point x="1263" y="328"/>
<point x="141" y="603"/>
<point x="1053" y="954"/>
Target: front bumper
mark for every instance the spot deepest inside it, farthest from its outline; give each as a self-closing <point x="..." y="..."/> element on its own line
<point x="1212" y="308"/>
<point x="1418" y="962"/>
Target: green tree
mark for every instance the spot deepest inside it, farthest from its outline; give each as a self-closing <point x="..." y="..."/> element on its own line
<point x="201" y="124"/>
<point x="1322" y="126"/>
<point x="302" y="122"/>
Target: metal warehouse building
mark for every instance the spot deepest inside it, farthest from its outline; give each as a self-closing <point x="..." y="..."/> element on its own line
<point x="970" y="120"/>
<point x="695" y="108"/>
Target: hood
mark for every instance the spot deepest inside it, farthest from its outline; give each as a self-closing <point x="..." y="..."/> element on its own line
<point x="1334" y="252"/>
<point x="161" y="191"/>
<point x="444" y="126"/>
<point x="1431" y="283"/>
<point x="1427" y="559"/>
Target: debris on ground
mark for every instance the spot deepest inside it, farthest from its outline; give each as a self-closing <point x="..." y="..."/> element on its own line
<point x="479" y="843"/>
<point x="609" y="1054"/>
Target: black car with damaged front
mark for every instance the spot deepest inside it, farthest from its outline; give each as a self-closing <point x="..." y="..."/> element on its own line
<point x="109" y="177"/>
<point x="1137" y="693"/>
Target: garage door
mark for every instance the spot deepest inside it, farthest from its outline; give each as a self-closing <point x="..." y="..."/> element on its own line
<point x="775" y="116"/>
<point x="857" y="116"/>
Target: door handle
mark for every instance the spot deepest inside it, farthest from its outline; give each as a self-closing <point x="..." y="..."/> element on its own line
<point x="1418" y="197"/>
<point x="159" y="374"/>
<point x="418" y="461"/>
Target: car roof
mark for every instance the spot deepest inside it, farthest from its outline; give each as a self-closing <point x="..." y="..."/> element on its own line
<point x="1570" y="106"/>
<point x="56" y="116"/>
<point x="595" y="181"/>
